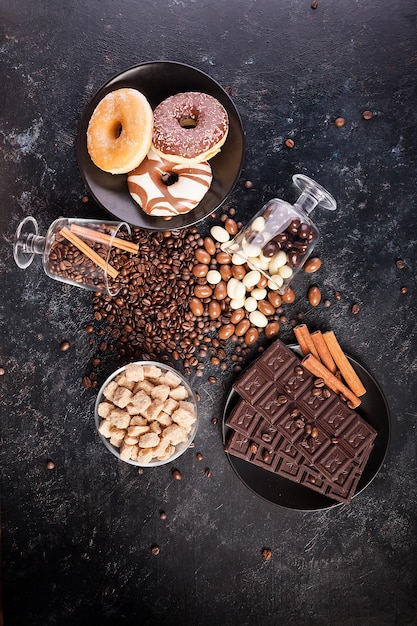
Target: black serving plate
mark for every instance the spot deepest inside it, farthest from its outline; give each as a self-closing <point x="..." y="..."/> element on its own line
<point x="157" y="80"/>
<point x="288" y="494"/>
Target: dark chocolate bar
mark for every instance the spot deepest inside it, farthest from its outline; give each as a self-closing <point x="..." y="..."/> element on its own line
<point x="289" y="422"/>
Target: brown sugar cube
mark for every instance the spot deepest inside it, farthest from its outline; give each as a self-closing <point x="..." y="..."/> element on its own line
<point x="141" y="401"/>
<point x="134" y="453"/>
<point x="183" y="418"/>
<point x="161" y="448"/>
<point x="138" y="420"/>
<point x="153" y="410"/>
<point x="170" y="405"/>
<point x="134" y="372"/>
<point x="164" y="419"/>
<point x="175" y="434"/>
<point x="104" y="409"/>
<point x="144" y="385"/>
<point x="179" y="393"/>
<point x="122" y="397"/>
<point x="116" y="436"/>
<point x="109" y="390"/>
<point x="130" y="441"/>
<point x="171" y="379"/>
<point x="160" y="392"/>
<point x="122" y="381"/>
<point x="187" y="406"/>
<point x="149" y="440"/>
<point x="137" y="431"/>
<point x="119" y="418"/>
<point x="151" y="371"/>
<point x="145" y="455"/>
<point x="125" y="451"/>
<point x="169" y="451"/>
<point x="155" y="427"/>
<point x="105" y="428"/>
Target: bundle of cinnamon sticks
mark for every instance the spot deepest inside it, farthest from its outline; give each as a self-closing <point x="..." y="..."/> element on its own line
<point x="324" y="358"/>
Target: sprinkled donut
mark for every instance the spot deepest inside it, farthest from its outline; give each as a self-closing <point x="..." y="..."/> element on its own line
<point x="190" y="126"/>
<point x="119" y="133"/>
<point x="166" y="189"/>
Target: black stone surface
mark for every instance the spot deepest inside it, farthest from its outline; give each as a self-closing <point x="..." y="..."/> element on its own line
<point x="76" y="540"/>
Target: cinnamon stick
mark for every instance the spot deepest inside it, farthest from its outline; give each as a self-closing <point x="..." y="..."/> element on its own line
<point x="316" y="368"/>
<point x="89" y="252"/>
<point x="303" y="336"/>
<point x="94" y="235"/>
<point x="349" y="375"/>
<point x="323" y="351"/>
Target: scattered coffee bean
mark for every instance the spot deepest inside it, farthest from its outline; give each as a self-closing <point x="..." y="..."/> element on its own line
<point x="162" y="515"/>
<point x="248" y="184"/>
<point x="289" y="143"/>
<point x="155" y="550"/>
<point x="207" y="472"/>
<point x="64" y="346"/>
<point x="326" y="303"/>
<point x="2" y="372"/>
<point x="199" y="456"/>
<point x="367" y="115"/>
<point x="355" y="308"/>
<point x="176" y="474"/>
<point x="266" y="554"/>
<point x="214" y="420"/>
<point x="400" y="264"/>
<point x="314" y="432"/>
<point x="50" y="465"/>
<point x="314" y="4"/>
<point x="339" y="122"/>
<point x="89" y="328"/>
<point x="403" y="290"/>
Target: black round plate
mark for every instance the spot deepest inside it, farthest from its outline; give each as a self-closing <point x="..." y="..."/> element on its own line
<point x="283" y="492"/>
<point x="157" y="80"/>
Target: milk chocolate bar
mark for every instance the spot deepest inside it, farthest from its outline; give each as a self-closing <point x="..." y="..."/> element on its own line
<point x="289" y="422"/>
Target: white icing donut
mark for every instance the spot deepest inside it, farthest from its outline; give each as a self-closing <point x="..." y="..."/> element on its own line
<point x="184" y="187"/>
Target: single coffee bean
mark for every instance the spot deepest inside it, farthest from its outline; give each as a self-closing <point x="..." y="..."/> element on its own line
<point x="400" y="264"/>
<point x="266" y="554"/>
<point x="64" y="346"/>
<point x="199" y="456"/>
<point x="339" y="122"/>
<point x="307" y="429"/>
<point x="289" y="143"/>
<point x="367" y="115"/>
<point x="176" y="474"/>
<point x="355" y="308"/>
<point x="312" y="265"/>
<point x="314" y="296"/>
<point x="50" y="465"/>
<point x="314" y="432"/>
<point x="207" y="472"/>
<point x="155" y="550"/>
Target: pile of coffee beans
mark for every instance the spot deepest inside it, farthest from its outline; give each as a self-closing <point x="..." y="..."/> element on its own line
<point x="173" y="304"/>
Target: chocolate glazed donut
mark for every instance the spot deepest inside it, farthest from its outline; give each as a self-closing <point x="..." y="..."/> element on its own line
<point x="189" y="126"/>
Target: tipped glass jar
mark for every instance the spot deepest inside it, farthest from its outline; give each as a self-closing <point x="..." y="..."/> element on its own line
<point x="82" y="252"/>
<point x="279" y="239"/>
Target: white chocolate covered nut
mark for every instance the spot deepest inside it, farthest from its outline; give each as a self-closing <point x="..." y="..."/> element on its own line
<point x="275" y="282"/>
<point x="238" y="259"/>
<point x="251" y="249"/>
<point x="251" y="279"/>
<point x="213" y="277"/>
<point x="236" y="290"/>
<point x="258" y="293"/>
<point x="277" y="261"/>
<point x="285" y="271"/>
<point x="258" y="319"/>
<point x="258" y="224"/>
<point x="251" y="304"/>
<point x="237" y="303"/>
<point x="220" y="234"/>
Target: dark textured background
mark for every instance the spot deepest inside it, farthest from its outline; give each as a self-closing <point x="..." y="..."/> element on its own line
<point x="76" y="540"/>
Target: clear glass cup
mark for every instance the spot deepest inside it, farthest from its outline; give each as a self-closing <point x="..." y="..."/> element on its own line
<point x="86" y="253"/>
<point x="280" y="237"/>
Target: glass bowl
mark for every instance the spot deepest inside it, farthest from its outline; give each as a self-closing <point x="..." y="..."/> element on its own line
<point x="146" y="414"/>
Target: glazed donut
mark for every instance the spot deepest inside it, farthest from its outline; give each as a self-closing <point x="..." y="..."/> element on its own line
<point x="119" y="133"/>
<point x="190" y="126"/>
<point x="163" y="188"/>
